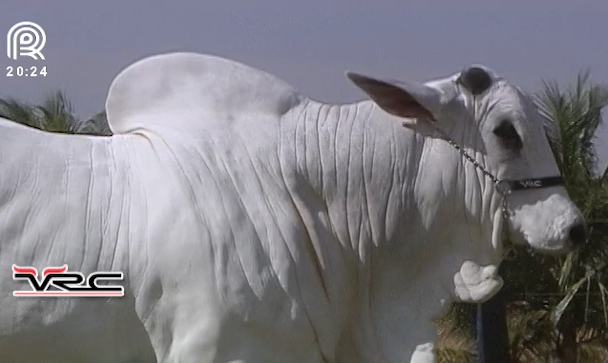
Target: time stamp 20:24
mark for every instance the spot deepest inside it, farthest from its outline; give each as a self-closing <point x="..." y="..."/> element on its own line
<point x="21" y="71"/>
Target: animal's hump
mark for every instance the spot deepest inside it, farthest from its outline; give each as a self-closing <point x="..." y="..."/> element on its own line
<point x="184" y="90"/>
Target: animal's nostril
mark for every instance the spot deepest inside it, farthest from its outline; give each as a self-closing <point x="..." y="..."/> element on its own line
<point x="578" y="234"/>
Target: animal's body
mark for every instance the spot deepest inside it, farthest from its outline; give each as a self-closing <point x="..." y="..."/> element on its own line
<point x="254" y="224"/>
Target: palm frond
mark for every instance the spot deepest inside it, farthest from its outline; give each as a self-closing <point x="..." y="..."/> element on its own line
<point x="58" y="114"/>
<point x="96" y="125"/>
<point x="20" y="112"/>
<point x="573" y="116"/>
<point x="55" y="114"/>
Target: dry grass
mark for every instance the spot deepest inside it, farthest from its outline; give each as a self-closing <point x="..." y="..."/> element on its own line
<point x="531" y="338"/>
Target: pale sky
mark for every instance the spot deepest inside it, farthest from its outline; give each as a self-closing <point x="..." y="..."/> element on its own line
<point x="310" y="44"/>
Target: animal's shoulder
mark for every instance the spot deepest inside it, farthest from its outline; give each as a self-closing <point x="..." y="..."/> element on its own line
<point x="186" y="90"/>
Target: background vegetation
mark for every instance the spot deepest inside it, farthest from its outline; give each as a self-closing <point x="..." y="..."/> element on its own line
<point x="556" y="307"/>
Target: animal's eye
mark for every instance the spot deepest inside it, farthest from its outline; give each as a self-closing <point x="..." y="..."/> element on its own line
<point x="507" y="133"/>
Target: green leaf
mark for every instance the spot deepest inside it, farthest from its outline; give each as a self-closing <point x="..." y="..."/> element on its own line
<point x="561" y="307"/>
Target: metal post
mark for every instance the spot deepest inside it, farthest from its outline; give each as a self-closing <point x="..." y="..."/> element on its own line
<point x="492" y="334"/>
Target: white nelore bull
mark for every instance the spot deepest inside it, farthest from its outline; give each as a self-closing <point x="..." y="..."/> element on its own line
<point x="256" y="225"/>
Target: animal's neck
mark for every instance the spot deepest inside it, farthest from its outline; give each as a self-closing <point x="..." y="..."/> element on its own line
<point x="474" y="195"/>
<point x="358" y="157"/>
<point x="347" y="158"/>
<point x="59" y="197"/>
<point x="392" y="195"/>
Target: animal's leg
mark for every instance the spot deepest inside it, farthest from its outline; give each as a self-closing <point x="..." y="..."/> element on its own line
<point x="176" y="338"/>
<point x="424" y="338"/>
<point x="424" y="353"/>
<point x="181" y="328"/>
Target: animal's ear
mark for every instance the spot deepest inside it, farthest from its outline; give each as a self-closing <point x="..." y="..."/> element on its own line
<point x="408" y="99"/>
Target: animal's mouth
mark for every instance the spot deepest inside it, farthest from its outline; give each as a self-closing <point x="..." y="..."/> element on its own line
<point x="475" y="283"/>
<point x="547" y="248"/>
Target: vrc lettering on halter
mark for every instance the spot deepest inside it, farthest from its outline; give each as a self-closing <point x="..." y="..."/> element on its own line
<point x="531" y="183"/>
